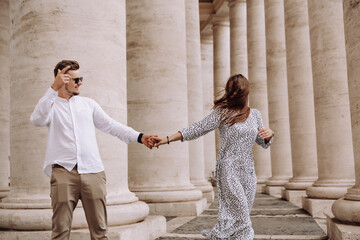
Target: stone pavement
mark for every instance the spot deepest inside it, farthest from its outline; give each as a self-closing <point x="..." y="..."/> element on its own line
<point x="272" y="218"/>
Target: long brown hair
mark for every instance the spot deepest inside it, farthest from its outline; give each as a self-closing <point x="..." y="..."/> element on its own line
<point x="234" y="103"/>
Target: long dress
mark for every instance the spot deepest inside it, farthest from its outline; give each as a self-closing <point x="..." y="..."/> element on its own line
<point x="235" y="172"/>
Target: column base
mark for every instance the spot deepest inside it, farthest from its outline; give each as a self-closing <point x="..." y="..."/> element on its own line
<point x="40" y="219"/>
<point x="210" y="196"/>
<point x="274" y="190"/>
<point x="260" y="187"/>
<point x="317" y="208"/>
<point x="293" y="196"/>
<point x="337" y="230"/>
<point x="4" y="194"/>
<point x="179" y="209"/>
<point x="206" y="188"/>
<point x="151" y="228"/>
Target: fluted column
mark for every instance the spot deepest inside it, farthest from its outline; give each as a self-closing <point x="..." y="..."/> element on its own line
<point x="195" y="98"/>
<point x="221" y="38"/>
<point x="332" y="110"/>
<point x="347" y="209"/>
<point x="258" y="96"/>
<point x="238" y="41"/>
<point x="207" y="76"/>
<point x="301" y="100"/>
<point x="158" y="103"/>
<point x="278" y="96"/>
<point x="41" y="35"/>
<point x="4" y="97"/>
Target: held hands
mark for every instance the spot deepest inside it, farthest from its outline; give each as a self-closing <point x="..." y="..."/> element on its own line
<point x="61" y="79"/>
<point x="266" y="133"/>
<point x="150" y="140"/>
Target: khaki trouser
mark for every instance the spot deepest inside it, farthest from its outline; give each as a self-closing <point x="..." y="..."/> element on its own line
<point x="66" y="190"/>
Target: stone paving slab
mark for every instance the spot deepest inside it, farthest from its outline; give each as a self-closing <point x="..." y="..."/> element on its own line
<point x="273" y="218"/>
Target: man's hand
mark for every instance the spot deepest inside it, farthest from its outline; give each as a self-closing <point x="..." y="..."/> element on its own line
<point x="61" y="79"/>
<point x="149" y="140"/>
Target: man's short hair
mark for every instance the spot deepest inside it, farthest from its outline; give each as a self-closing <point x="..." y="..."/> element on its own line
<point x="74" y="65"/>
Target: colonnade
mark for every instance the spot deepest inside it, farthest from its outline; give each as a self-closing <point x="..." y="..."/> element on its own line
<point x="301" y="83"/>
<point x="157" y="66"/>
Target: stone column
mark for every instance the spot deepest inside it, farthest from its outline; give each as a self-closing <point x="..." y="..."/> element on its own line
<point x="258" y="97"/>
<point x="4" y="97"/>
<point x="347" y="209"/>
<point x="41" y="35"/>
<point x="278" y="96"/>
<point x="158" y="103"/>
<point x="301" y="100"/>
<point x="221" y="38"/>
<point x="195" y="98"/>
<point x="207" y="76"/>
<point x="332" y="110"/>
<point x="238" y="40"/>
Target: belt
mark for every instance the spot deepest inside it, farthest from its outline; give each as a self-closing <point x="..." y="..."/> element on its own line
<point x="59" y="166"/>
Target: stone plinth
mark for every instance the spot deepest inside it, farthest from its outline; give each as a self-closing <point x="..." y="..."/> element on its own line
<point x="150" y="228"/>
<point x="274" y="190"/>
<point x="317" y="208"/>
<point x="293" y="196"/>
<point x="338" y="230"/>
<point x="193" y="208"/>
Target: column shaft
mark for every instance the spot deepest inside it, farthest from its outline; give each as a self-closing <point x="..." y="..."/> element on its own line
<point x="332" y="110"/>
<point x="277" y="93"/>
<point x="258" y="80"/>
<point x="4" y="97"/>
<point x="195" y="97"/>
<point x="207" y="75"/>
<point x="156" y="41"/>
<point x="238" y="40"/>
<point x="301" y="95"/>
<point x="221" y="34"/>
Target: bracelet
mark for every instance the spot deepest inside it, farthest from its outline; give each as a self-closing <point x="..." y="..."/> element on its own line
<point x="168" y="139"/>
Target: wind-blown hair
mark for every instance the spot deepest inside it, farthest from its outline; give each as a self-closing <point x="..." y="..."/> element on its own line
<point x="234" y="103"/>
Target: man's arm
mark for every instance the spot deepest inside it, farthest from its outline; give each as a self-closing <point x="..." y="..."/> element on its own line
<point x="41" y="114"/>
<point x="127" y="134"/>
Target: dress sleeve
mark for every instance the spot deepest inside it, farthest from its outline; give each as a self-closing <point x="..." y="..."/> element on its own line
<point x="198" y="129"/>
<point x="260" y="141"/>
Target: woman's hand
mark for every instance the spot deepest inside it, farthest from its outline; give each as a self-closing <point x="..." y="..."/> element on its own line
<point x="161" y="141"/>
<point x="266" y="133"/>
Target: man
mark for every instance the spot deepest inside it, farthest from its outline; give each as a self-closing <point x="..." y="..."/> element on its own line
<point x="72" y="157"/>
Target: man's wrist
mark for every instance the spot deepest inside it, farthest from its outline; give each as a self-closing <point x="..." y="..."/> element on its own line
<point x="140" y="137"/>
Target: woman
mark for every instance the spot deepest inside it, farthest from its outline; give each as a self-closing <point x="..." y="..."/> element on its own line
<point x="239" y="128"/>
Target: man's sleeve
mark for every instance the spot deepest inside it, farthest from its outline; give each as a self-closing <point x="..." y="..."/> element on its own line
<point x="41" y="115"/>
<point x="108" y="125"/>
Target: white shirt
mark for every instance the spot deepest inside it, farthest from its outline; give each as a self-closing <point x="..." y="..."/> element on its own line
<point x="72" y="138"/>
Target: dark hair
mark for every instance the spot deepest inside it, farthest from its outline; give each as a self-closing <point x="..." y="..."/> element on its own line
<point x="74" y="65"/>
<point x="234" y="103"/>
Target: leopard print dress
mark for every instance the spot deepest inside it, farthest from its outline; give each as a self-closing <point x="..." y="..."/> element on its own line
<point x="234" y="171"/>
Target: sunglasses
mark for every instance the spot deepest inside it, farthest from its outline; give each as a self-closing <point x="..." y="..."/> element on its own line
<point x="77" y="79"/>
